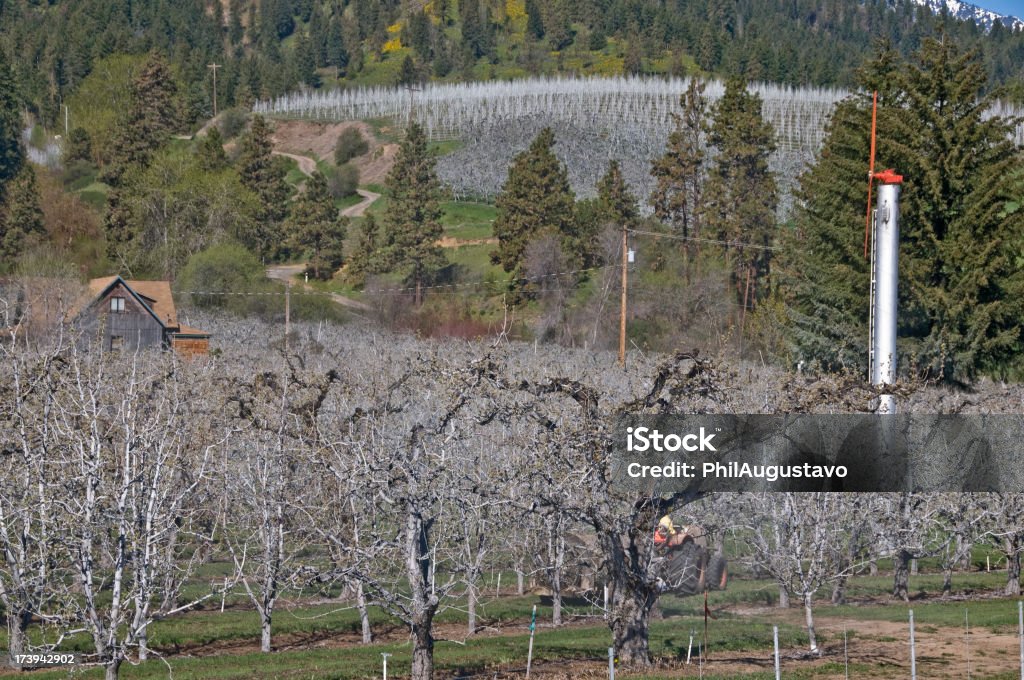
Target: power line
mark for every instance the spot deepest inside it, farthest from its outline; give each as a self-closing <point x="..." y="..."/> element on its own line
<point x="676" y="237"/>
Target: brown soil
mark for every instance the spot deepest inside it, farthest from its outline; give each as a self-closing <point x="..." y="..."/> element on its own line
<point x="308" y="138"/>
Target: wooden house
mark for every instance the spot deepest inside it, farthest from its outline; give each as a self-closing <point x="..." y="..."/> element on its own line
<point x="129" y="315"/>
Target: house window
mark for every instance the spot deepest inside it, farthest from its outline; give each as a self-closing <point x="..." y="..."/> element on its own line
<point x="116" y="342"/>
<point x="117" y="305"/>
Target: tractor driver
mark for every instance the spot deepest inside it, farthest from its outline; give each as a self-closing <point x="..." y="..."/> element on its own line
<point x="666" y="535"/>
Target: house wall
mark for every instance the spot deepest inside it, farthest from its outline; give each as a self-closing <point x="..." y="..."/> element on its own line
<point x="191" y="347"/>
<point x="135" y="327"/>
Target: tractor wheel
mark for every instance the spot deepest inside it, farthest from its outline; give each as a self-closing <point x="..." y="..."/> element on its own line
<point x="717" y="573"/>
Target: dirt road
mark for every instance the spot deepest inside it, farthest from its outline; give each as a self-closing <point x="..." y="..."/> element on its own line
<point x="359" y="209"/>
<point x="306" y="164"/>
<point x="287" y="272"/>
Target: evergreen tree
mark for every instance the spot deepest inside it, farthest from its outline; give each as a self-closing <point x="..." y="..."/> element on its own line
<point x="740" y="199"/>
<point x="12" y="153"/>
<point x="211" y="151"/>
<point x="21" y="217"/>
<point x="418" y="31"/>
<point x="617" y="202"/>
<point x="361" y="261"/>
<point x="153" y="116"/>
<point x="412" y="219"/>
<point x="315" y="225"/>
<point x="534" y="20"/>
<point x="535" y="201"/>
<point x="408" y="74"/>
<point x="337" y="54"/>
<point x="261" y="175"/>
<point x="681" y="172"/>
<point x="305" y="61"/>
<point x="961" y="283"/>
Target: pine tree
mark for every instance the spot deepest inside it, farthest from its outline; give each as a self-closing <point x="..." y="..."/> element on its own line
<point x="412" y="219"/>
<point x="211" y="151"/>
<point x="740" y="199"/>
<point x="21" y="217"/>
<point x="264" y="178"/>
<point x="535" y="201"/>
<point x="315" y="225"/>
<point x="617" y="202"/>
<point x="361" y="261"/>
<point x="153" y="117"/>
<point x="680" y="174"/>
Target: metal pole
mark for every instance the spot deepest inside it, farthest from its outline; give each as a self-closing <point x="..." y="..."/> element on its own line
<point x="775" y="630"/>
<point x="913" y="655"/>
<point x="689" y="649"/>
<point x="385" y="655"/>
<point x="66" y="133"/>
<point x="622" y="311"/>
<point x="529" y="653"/>
<point x="611" y="663"/>
<point x="886" y="273"/>
<point x="846" y="653"/>
<point x="967" y="642"/>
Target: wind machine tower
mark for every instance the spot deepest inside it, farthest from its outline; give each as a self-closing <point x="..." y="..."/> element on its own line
<point x="882" y="236"/>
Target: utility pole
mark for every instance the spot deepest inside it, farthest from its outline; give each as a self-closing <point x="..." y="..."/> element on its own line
<point x="622" y="311"/>
<point x="287" y="312"/>
<point x="214" y="67"/>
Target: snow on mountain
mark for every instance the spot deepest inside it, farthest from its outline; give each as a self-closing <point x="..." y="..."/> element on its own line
<point x="965" y="10"/>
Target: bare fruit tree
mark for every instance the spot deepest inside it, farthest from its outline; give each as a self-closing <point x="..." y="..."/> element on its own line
<point x="133" y="488"/>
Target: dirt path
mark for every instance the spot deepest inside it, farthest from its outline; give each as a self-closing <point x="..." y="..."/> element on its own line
<point x="287" y="272"/>
<point x="306" y="164"/>
<point x="359" y="209"/>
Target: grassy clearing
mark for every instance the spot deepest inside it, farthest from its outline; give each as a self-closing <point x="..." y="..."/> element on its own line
<point x="467" y="221"/>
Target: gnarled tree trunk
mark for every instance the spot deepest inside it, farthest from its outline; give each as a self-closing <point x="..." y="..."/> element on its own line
<point x="901" y="575"/>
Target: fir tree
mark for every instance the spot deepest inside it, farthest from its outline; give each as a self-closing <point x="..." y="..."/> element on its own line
<point x="418" y="31"/>
<point x="412" y="219"/>
<point x="740" y="199"/>
<point x="261" y="175"/>
<point x="681" y="172"/>
<point x="305" y="61"/>
<point x="408" y="74"/>
<point x="337" y="54"/>
<point x="961" y="287"/>
<point x="534" y="20"/>
<point x="535" y="201"/>
<point x="315" y="225"/>
<point x="211" y="151"/>
<point x="12" y="153"/>
<point x="21" y="217"/>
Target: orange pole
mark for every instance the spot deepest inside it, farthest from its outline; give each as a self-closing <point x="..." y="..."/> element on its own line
<point x="871" y="170"/>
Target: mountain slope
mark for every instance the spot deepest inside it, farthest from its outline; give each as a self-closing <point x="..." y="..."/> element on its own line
<point x="968" y="12"/>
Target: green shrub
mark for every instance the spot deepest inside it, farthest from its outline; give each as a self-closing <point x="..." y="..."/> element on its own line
<point x="232" y="122"/>
<point x="343" y="180"/>
<point x="351" y="143"/>
<point x="218" y="274"/>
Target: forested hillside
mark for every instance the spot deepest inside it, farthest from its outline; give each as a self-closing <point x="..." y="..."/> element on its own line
<point x="270" y="47"/>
